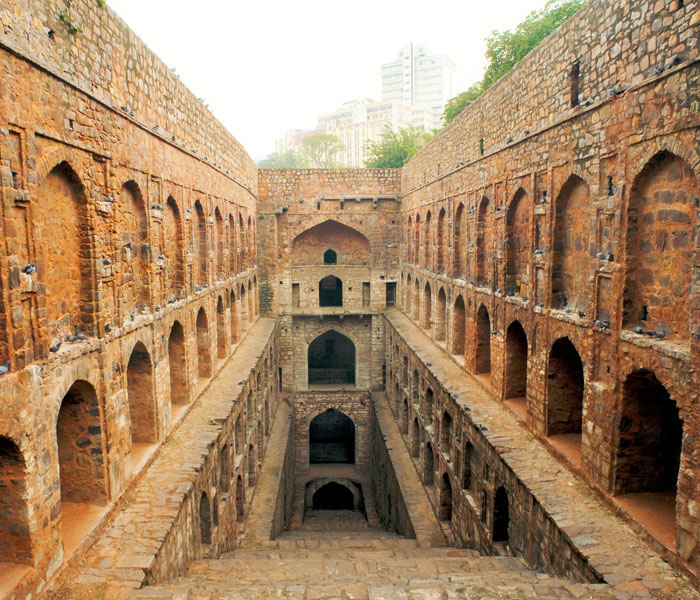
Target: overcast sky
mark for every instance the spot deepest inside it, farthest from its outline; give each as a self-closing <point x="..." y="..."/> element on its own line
<point x="268" y="66"/>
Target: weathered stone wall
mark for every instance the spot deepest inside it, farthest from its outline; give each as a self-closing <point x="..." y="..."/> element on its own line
<point x="353" y="404"/>
<point x="445" y="443"/>
<point x="355" y="213"/>
<point x="128" y="265"/>
<point x="561" y="264"/>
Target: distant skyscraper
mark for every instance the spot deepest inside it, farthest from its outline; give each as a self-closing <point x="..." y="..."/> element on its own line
<point x="419" y="79"/>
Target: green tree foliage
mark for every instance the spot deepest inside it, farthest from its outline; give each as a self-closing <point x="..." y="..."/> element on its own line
<point x="395" y="148"/>
<point x="319" y="150"/>
<point x="504" y="49"/>
<point x="282" y="160"/>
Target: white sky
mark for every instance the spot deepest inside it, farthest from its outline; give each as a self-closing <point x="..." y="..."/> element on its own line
<point x="268" y="66"/>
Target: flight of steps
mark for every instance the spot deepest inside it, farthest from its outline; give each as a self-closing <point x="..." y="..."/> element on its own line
<point x="363" y="565"/>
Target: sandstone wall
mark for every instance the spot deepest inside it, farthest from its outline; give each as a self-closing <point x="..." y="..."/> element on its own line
<point x="562" y="266"/>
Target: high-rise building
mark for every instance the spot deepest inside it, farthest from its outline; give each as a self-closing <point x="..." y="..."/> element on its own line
<point x="418" y="78"/>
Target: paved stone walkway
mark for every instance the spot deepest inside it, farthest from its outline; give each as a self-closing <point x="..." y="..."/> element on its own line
<point x="128" y="546"/>
<point x="609" y="544"/>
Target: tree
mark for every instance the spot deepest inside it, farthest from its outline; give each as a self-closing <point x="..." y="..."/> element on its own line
<point x="395" y="148"/>
<point x="319" y="150"/>
<point x="504" y="49"/>
<point x="283" y="160"/>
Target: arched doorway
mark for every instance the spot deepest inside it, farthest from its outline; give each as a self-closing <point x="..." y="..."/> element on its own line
<point x="427" y="307"/>
<point x="516" y="368"/>
<point x="330" y="291"/>
<point x="445" y="498"/>
<point x="15" y="541"/>
<point x="458" y="327"/>
<point x="483" y="342"/>
<point x="564" y="389"/>
<point x="220" y="330"/>
<point x="441" y="320"/>
<point x="415" y="439"/>
<point x="177" y="365"/>
<point x="428" y="465"/>
<point x="203" y="350"/>
<point x="240" y="500"/>
<point x="333" y="496"/>
<point x="331" y="358"/>
<point x="331" y="438"/>
<point x="142" y="409"/>
<point x="501" y="516"/>
<point x="81" y="447"/>
<point x="204" y="519"/>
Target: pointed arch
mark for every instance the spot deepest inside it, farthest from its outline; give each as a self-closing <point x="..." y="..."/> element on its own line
<point x="440" y="248"/>
<point x="220" y="329"/>
<point x="16" y="544"/>
<point x="177" y="364"/>
<point x="458" y="326"/>
<point x="427" y="307"/>
<point x="483" y="244"/>
<point x="516" y="362"/>
<point x="483" y="341"/>
<point x="441" y="320"/>
<point x="173" y="248"/>
<point x="427" y="241"/>
<point x="133" y="287"/>
<point x="220" y="244"/>
<point x="565" y="385"/>
<point x="141" y="396"/>
<point x="350" y="245"/>
<point x="458" y="242"/>
<point x="204" y="366"/>
<point x="516" y="244"/>
<point x="200" y="244"/>
<point x="331" y="359"/>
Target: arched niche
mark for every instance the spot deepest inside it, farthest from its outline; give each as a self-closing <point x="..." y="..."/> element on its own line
<point x="331" y="438"/>
<point x="331" y="359"/>
<point x="350" y="246"/>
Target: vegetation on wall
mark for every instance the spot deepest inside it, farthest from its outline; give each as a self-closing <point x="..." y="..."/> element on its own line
<point x="394" y="148"/>
<point x="282" y="160"/>
<point x="504" y="49"/>
<point x="316" y="151"/>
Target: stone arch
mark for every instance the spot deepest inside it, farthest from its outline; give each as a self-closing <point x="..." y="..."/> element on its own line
<point x="483" y="243"/>
<point x="649" y="437"/>
<point x="458" y="327"/>
<point x="404" y="416"/>
<point x="240" y="500"/>
<point x="662" y="232"/>
<point x="440" y="249"/>
<point x="426" y="240"/>
<point x="251" y="303"/>
<point x="232" y="267"/>
<point x="331" y="359"/>
<point x="220" y="244"/>
<point x="501" y="516"/>
<point x="220" y="329"/>
<point x="415" y="387"/>
<point x="516" y="244"/>
<point x="331" y="438"/>
<point x="416" y="300"/>
<point x="407" y="294"/>
<point x="204" y="519"/>
<point x="172" y="245"/>
<point x="224" y="468"/>
<point x="467" y="468"/>
<point x="415" y="439"/>
<point x="446" y="433"/>
<point x="330" y="291"/>
<point x="572" y="255"/>
<point x="203" y="345"/>
<point x="81" y="446"/>
<point x="133" y="289"/>
<point x="15" y="539"/>
<point x="350" y="246"/>
<point x="483" y="341"/>
<point x="243" y="300"/>
<point x="416" y="240"/>
<point x="256" y="300"/>
<point x="199" y="233"/>
<point x="251" y="465"/>
<point x="429" y="402"/>
<point x="66" y="278"/>
<point x="516" y="362"/>
<point x="239" y="435"/>
<point x="242" y="244"/>
<point x="409" y="239"/>
<point x="405" y="371"/>
<point x="177" y="363"/>
<point x="428" y="465"/>
<point x="445" y="498"/>
<point x="427" y="307"/>
<point x="565" y="384"/>
<point x="251" y="242"/>
<point x="141" y="396"/>
<point x="337" y="493"/>
<point x="458" y="242"/>
<point x="441" y="320"/>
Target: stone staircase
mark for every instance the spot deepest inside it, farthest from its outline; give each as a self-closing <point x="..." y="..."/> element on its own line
<point x="365" y="565"/>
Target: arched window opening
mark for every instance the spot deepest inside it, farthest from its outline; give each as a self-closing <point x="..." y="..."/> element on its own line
<point x="458" y="248"/>
<point x="251" y="303"/>
<point x="203" y="349"/>
<point x="141" y="397"/>
<point x="15" y="542"/>
<point x="408" y="291"/>
<point x="134" y="280"/>
<point x="516" y="364"/>
<point x="428" y="465"/>
<point x="483" y="245"/>
<point x="331" y="438"/>
<point x="177" y="365"/>
<point x="458" y="327"/>
<point x="415" y="387"/>
<point x="81" y="447"/>
<point x="233" y="304"/>
<point x="331" y="359"/>
<point x="333" y="496"/>
<point x="173" y="236"/>
<point x="516" y="245"/>
<point x="204" y="519"/>
<point x="427" y="242"/>
<point x="404" y="417"/>
<point x="415" y="439"/>
<point x="231" y="245"/>
<point x="440" y="250"/>
<point x="445" y="498"/>
<point x="240" y="500"/>
<point x="330" y="291"/>
<point x="330" y="257"/>
<point x="224" y="469"/>
<point x="416" y="300"/>
<point x="239" y="435"/>
<point x="220" y="245"/>
<point x="483" y="341"/>
<point x="405" y="371"/>
<point x="501" y="516"/>
<point x="429" y="397"/>
<point x="243" y="299"/>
